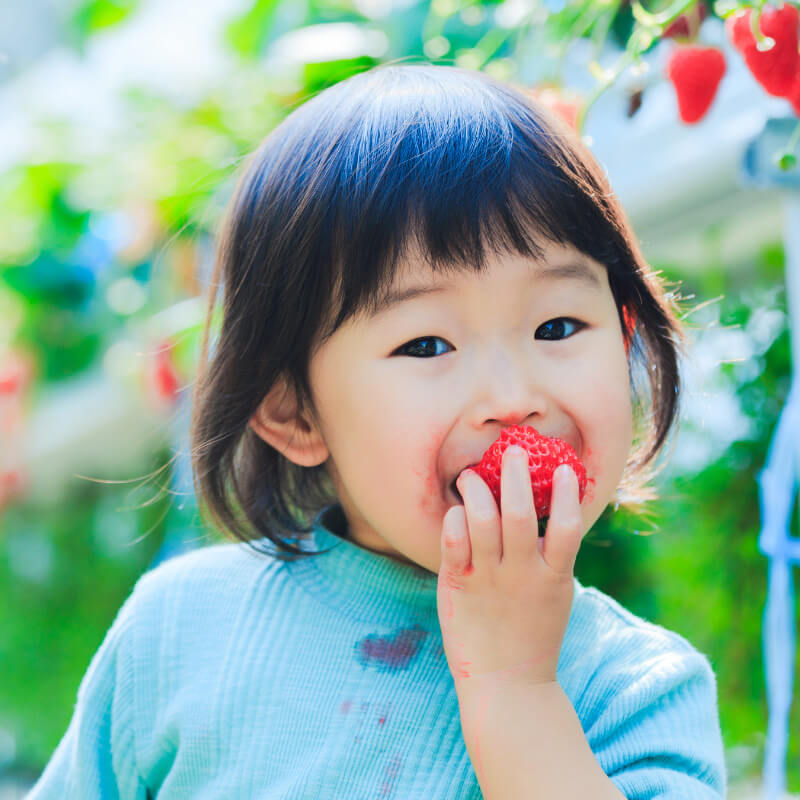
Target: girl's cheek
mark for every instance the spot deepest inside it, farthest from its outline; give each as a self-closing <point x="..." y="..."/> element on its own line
<point x="423" y="461"/>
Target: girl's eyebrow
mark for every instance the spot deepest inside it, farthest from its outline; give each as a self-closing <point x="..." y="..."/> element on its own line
<point x="576" y="271"/>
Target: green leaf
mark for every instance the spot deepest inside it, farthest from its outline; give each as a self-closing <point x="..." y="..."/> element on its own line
<point x="247" y="33"/>
<point x="94" y="15"/>
<point x="786" y="161"/>
<point x="317" y="77"/>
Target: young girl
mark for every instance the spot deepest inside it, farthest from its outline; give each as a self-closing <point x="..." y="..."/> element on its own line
<point x="414" y="260"/>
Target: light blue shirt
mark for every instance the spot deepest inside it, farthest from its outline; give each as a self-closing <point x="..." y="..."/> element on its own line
<point x="230" y="674"/>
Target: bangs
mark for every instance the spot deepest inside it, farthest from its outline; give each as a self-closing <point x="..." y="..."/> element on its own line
<point x="438" y="162"/>
<point x="402" y="162"/>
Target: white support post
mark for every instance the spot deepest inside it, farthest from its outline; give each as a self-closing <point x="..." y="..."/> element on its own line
<point x="791" y="238"/>
<point x="778" y="485"/>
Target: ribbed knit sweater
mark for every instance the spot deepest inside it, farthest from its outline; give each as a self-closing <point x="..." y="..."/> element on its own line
<point x="232" y="674"/>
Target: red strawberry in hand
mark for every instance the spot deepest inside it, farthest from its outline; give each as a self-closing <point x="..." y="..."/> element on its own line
<point x="545" y="453"/>
<point x="695" y="72"/>
<point x="774" y="69"/>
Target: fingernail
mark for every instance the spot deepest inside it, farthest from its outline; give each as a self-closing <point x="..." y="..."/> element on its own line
<point x="563" y="508"/>
<point x="561" y="475"/>
<point x="463" y="476"/>
<point x="515" y="451"/>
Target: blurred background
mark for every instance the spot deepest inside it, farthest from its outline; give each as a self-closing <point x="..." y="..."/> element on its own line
<point x="122" y="124"/>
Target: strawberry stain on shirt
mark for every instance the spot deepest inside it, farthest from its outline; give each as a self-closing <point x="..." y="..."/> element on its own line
<point x="390" y="774"/>
<point x="392" y="652"/>
<point x="361" y="718"/>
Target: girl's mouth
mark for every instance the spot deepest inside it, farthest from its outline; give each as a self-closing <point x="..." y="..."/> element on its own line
<point x="454" y="490"/>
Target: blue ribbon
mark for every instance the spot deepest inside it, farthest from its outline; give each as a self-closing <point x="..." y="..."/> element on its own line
<point x="777" y="486"/>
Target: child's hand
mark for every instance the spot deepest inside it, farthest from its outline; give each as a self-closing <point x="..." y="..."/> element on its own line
<point x="504" y="595"/>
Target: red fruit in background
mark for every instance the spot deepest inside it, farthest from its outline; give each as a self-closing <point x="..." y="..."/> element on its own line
<point x="630" y="325"/>
<point x="545" y="453"/>
<point x="793" y="95"/>
<point x="12" y="482"/>
<point x="774" y="69"/>
<point x="695" y="73"/>
<point x="16" y="371"/>
<point x="686" y="25"/>
<point x="566" y="103"/>
<point x="164" y="376"/>
<point x="10" y="381"/>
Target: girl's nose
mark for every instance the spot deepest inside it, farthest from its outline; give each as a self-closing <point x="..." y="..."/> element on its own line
<point x="508" y="390"/>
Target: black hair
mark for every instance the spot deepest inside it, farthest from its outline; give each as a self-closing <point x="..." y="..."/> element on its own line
<point x="450" y="162"/>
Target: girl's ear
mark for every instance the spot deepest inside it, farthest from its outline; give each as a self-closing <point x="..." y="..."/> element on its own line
<point x="278" y="422"/>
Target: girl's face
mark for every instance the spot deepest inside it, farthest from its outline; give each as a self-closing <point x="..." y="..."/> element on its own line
<point x="410" y="397"/>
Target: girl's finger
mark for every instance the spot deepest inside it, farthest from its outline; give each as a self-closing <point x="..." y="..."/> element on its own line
<point x="456" y="555"/>
<point x="564" y="532"/>
<point x="483" y="519"/>
<point x="518" y="514"/>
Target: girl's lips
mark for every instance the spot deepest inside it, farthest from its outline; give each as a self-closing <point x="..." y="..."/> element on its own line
<point x="453" y="487"/>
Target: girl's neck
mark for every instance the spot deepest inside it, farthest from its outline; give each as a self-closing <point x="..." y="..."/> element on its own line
<point x="335" y="520"/>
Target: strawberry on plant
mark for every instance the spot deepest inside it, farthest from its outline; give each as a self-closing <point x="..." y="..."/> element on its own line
<point x="695" y="73"/>
<point x="164" y="378"/>
<point x="545" y="453"/>
<point x="775" y="68"/>
<point x="566" y="103"/>
<point x="16" y="372"/>
<point x="630" y="325"/>
<point x="793" y="95"/>
<point x="686" y="25"/>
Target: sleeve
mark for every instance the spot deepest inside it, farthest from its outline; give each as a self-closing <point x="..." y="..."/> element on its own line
<point x="659" y="736"/>
<point x="96" y="757"/>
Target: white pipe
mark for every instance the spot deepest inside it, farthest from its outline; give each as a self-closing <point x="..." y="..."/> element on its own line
<point x="791" y="240"/>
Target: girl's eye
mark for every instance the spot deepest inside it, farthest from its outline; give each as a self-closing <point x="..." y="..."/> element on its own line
<point x="554" y="329"/>
<point x="423" y="348"/>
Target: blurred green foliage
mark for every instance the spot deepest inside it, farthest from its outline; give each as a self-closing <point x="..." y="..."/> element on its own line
<point x="144" y="203"/>
<point x="94" y="15"/>
<point x="695" y="568"/>
<point x="64" y="572"/>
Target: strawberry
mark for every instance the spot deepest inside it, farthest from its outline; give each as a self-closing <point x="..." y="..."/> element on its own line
<point x="545" y="453"/>
<point x="774" y="69"/>
<point x="630" y="326"/>
<point x="562" y="102"/>
<point x="164" y="377"/>
<point x="793" y="95"/>
<point x="15" y="373"/>
<point x="686" y="25"/>
<point x="695" y="72"/>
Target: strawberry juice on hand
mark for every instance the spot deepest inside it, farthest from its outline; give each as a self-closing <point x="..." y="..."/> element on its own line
<point x="505" y="595"/>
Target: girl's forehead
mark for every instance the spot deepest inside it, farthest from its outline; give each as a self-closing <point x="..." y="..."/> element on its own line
<point x="558" y="261"/>
<point x="507" y="273"/>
